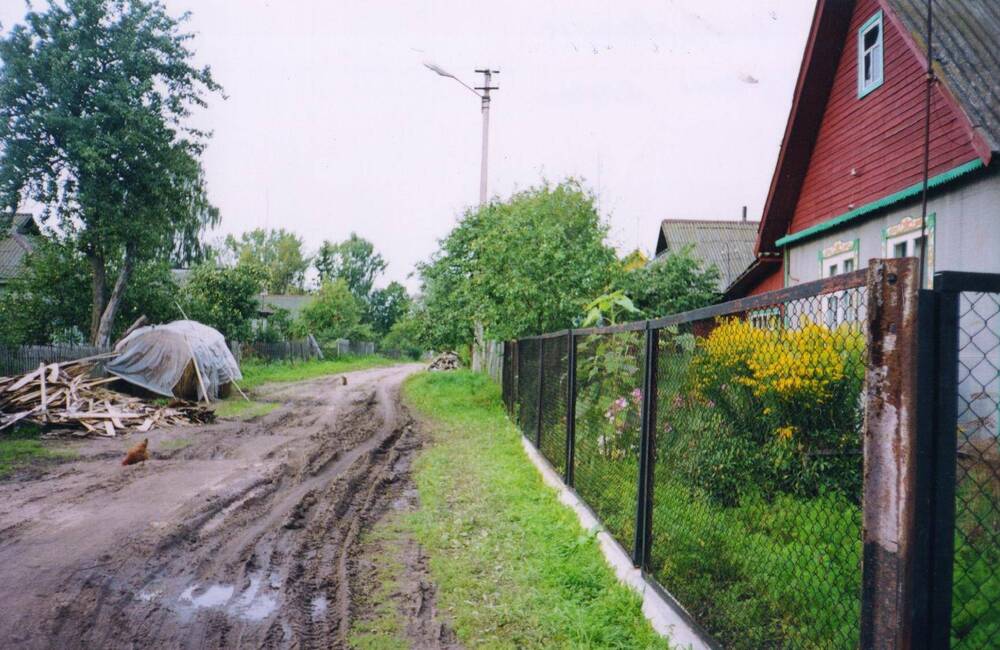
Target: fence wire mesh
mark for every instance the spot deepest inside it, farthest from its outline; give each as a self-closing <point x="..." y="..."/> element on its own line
<point x="756" y="525"/>
<point x="555" y="379"/>
<point x="609" y="372"/>
<point x="975" y="621"/>
<point x="527" y="386"/>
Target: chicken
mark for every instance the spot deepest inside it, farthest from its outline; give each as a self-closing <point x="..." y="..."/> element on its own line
<point x="137" y="454"/>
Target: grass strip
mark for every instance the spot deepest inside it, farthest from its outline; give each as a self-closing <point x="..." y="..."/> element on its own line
<point x="512" y="565"/>
<point x="257" y="373"/>
<point x="21" y="445"/>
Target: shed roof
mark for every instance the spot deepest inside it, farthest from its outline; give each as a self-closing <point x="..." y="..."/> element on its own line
<point x="294" y="303"/>
<point x="726" y="244"/>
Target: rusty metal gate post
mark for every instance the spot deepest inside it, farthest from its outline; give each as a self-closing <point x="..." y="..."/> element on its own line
<point x="894" y="444"/>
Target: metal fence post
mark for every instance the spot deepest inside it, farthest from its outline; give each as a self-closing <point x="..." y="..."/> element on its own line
<point x="538" y="404"/>
<point x="944" y="451"/>
<point x="570" y="407"/>
<point x="644" y="499"/>
<point x="891" y="445"/>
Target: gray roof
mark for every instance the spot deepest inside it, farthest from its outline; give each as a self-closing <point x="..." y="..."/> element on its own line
<point x="966" y="42"/>
<point x="16" y="233"/>
<point x="292" y="302"/>
<point x="726" y="244"/>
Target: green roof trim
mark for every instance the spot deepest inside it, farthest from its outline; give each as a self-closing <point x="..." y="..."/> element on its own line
<point x="912" y="190"/>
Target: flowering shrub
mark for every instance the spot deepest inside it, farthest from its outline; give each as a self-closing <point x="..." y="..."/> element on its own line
<point x="784" y="411"/>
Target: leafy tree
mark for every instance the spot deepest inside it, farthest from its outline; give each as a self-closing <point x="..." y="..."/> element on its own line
<point x="405" y="335"/>
<point x="524" y="266"/>
<point x="93" y="99"/>
<point x="354" y="261"/>
<point x="675" y="283"/>
<point x="278" y="253"/>
<point x="386" y="307"/>
<point x="49" y="301"/>
<point x="335" y="313"/>
<point x="225" y="298"/>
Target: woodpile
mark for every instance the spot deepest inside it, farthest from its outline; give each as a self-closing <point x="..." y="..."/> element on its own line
<point x="445" y="361"/>
<point x="67" y="395"/>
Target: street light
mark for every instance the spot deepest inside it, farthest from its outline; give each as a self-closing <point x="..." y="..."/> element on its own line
<point x="485" y="97"/>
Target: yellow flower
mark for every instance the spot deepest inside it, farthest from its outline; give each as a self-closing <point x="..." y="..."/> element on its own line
<point x="785" y="433"/>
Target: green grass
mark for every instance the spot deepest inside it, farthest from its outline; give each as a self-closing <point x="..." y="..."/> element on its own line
<point x="257" y="373"/>
<point x="237" y="407"/>
<point x="512" y="565"/>
<point x="21" y="446"/>
<point x="383" y="626"/>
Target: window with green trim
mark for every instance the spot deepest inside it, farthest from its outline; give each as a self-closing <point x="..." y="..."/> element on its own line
<point x="870" y="55"/>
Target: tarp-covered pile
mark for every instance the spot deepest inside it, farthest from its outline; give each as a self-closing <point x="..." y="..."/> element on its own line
<point x="182" y="359"/>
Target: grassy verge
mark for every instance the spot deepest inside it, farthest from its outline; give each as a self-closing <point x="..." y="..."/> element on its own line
<point x="512" y="565"/>
<point x="257" y="373"/>
<point x="21" y="446"/>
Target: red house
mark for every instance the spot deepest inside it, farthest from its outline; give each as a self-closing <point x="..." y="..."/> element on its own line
<point x="848" y="181"/>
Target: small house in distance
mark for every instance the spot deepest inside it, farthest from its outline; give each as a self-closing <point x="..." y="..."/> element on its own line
<point x="728" y="245"/>
<point x="16" y="234"/>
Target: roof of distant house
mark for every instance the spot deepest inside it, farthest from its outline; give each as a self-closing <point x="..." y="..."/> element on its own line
<point x="726" y="244"/>
<point x="294" y="303"/>
<point x="16" y="234"/>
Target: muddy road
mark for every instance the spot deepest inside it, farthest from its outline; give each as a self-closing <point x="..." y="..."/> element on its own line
<point x="236" y="534"/>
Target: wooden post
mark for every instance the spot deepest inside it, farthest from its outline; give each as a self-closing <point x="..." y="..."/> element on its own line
<point x="891" y="446"/>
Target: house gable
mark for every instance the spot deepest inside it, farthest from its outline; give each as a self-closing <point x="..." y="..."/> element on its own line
<point x="872" y="146"/>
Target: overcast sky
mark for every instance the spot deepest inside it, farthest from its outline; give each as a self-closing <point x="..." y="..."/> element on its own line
<point x="666" y="108"/>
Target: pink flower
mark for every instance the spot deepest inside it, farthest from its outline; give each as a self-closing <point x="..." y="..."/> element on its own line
<point x="678" y="401"/>
<point x="637" y="396"/>
<point x="621" y="403"/>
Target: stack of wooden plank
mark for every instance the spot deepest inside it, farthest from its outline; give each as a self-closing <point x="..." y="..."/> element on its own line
<point x="67" y="395"/>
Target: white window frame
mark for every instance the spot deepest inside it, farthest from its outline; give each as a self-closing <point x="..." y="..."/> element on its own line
<point x="876" y="52"/>
<point x="908" y="231"/>
<point x="839" y="307"/>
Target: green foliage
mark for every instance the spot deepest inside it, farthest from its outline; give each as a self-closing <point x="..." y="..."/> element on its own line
<point x="354" y="261"/>
<point x="50" y="301"/>
<point x="277" y="253"/>
<point x="405" y="336"/>
<point x="93" y="99"/>
<point x="523" y="266"/>
<point x="386" y="307"/>
<point x="670" y="285"/>
<point x="335" y="313"/>
<point x="279" y="326"/>
<point x="22" y="445"/>
<point x="495" y="535"/>
<point x="224" y="298"/>
<point x="609" y="309"/>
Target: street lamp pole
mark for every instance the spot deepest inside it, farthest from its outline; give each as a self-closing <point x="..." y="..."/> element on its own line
<point x="484" y="97"/>
<point x="486" y="88"/>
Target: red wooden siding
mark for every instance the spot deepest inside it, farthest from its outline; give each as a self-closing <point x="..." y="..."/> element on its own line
<point x="880" y="135"/>
<point x="772" y="282"/>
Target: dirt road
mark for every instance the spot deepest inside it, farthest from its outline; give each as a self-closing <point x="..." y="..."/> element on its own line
<point x="238" y="534"/>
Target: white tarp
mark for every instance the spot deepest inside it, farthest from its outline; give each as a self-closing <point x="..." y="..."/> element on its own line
<point x="156" y="357"/>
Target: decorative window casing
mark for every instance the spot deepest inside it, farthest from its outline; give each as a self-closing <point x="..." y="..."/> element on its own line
<point x="870" y="55"/>
<point x="906" y="239"/>
<point x="840" y="257"/>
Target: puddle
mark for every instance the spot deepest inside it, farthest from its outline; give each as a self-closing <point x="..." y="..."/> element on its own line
<point x="253" y="605"/>
<point x="213" y="596"/>
<point x="319" y="605"/>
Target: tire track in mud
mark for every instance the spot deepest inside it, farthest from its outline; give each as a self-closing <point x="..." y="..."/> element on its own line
<point x="265" y="556"/>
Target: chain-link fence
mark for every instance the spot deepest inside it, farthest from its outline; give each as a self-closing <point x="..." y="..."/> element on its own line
<point x="975" y="603"/>
<point x="728" y="451"/>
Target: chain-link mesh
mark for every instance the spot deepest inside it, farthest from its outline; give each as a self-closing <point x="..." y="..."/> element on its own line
<point x="527" y="386"/>
<point x="555" y="379"/>
<point x="975" y="621"/>
<point x="609" y="374"/>
<point x="756" y="525"/>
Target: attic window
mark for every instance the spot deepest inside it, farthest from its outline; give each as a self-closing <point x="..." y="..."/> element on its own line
<point x="870" y="55"/>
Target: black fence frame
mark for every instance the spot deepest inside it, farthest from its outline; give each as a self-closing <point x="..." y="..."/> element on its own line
<point x="920" y="612"/>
